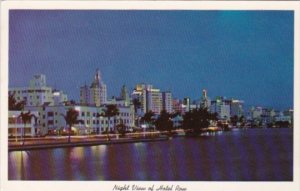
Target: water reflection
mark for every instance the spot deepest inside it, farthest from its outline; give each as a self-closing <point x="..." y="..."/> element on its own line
<point x="252" y="155"/>
<point x="19" y="163"/>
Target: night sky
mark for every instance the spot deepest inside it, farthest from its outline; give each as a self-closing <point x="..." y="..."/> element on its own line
<point x="246" y="55"/>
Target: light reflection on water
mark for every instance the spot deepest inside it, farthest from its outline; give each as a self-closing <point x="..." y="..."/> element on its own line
<point x="19" y="163"/>
<point x="244" y="155"/>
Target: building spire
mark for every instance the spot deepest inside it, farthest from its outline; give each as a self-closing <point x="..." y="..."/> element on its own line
<point x="97" y="76"/>
<point x="204" y="93"/>
<point x="97" y="79"/>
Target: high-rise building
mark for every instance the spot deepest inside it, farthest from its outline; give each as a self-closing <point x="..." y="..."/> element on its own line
<point x="167" y="101"/>
<point x="221" y="106"/>
<point x="205" y="101"/>
<point x="177" y="106"/>
<point x="256" y="113"/>
<point x="152" y="99"/>
<point x="96" y="94"/>
<point x="186" y="104"/>
<point x="267" y="116"/>
<point x="140" y="94"/>
<point x="236" y="107"/>
<point x="38" y="93"/>
<point x="226" y="108"/>
<point x="85" y="95"/>
<point x="124" y="95"/>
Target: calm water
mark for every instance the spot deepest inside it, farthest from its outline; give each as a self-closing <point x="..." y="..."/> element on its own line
<point x="243" y="155"/>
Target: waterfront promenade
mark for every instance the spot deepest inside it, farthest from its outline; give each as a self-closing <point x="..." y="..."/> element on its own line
<point x="87" y="140"/>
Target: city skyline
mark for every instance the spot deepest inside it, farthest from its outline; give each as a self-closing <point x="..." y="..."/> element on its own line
<point x="246" y="55"/>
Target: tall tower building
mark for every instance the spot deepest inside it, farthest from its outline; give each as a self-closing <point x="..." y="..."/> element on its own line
<point x="96" y="94"/>
<point x="149" y="97"/>
<point x="167" y="101"/>
<point x="154" y="101"/>
<point x="124" y="95"/>
<point x="236" y="108"/>
<point x="205" y="101"/>
<point x="140" y="93"/>
<point x="85" y="95"/>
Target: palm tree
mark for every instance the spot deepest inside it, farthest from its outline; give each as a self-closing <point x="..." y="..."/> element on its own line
<point x="71" y="118"/>
<point x="147" y="118"/>
<point x="13" y="105"/>
<point x="26" y="118"/>
<point x="197" y="119"/>
<point x="164" y="122"/>
<point x="121" y="129"/>
<point x="111" y="110"/>
<point x="137" y="104"/>
<point x="234" y="119"/>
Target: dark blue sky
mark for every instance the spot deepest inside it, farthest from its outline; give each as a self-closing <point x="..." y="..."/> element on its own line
<point x="247" y="55"/>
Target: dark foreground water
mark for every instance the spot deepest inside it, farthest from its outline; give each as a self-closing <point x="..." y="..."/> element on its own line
<point x="243" y="155"/>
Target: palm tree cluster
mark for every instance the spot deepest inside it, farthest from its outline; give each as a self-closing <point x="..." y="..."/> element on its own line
<point x="194" y="120"/>
<point x="164" y="122"/>
<point x="197" y="119"/>
<point x="148" y="118"/>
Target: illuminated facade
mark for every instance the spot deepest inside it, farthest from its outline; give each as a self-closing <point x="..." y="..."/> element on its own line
<point x="50" y="119"/>
<point x="152" y="99"/>
<point x="167" y="102"/>
<point x="16" y="127"/>
<point x="38" y="93"/>
<point x="221" y="106"/>
<point x="94" y="95"/>
<point x="236" y="108"/>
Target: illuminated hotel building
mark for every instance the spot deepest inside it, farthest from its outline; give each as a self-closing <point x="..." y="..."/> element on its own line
<point x="38" y="93"/>
<point x="50" y="119"/>
<point x="221" y="106"/>
<point x="152" y="99"/>
<point x="226" y="108"/>
<point x="16" y="127"/>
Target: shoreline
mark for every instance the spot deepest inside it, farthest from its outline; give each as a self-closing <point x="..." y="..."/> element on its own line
<point x="82" y="143"/>
<point x="61" y="142"/>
